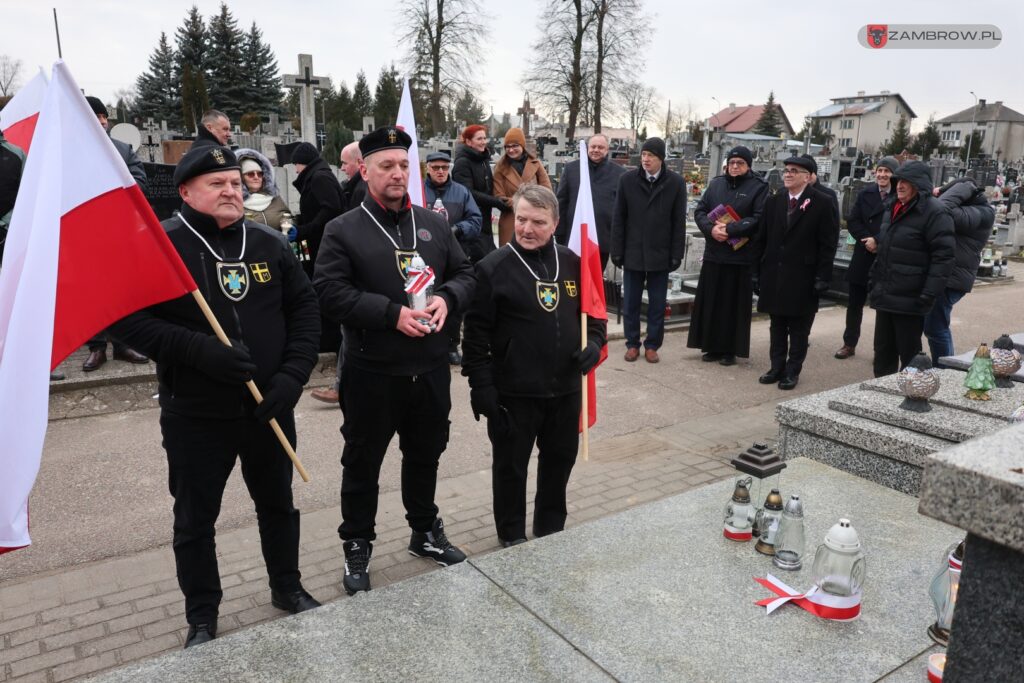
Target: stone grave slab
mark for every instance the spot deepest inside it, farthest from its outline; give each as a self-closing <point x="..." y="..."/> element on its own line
<point x="941" y="421"/>
<point x="657" y="594"/>
<point x="450" y="625"/>
<point x="963" y="362"/>
<point x="951" y="392"/>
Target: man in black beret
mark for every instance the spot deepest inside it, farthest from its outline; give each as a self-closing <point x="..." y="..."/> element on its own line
<point x="259" y="293"/>
<point x="796" y="244"/>
<point x="395" y="375"/>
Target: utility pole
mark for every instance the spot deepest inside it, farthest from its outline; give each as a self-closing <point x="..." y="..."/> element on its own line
<point x="970" y="140"/>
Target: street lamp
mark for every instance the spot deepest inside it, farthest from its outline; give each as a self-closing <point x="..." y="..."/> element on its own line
<point x="707" y="136"/>
<point x="970" y="140"/>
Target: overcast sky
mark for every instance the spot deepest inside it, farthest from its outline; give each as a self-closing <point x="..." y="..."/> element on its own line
<point x="735" y="51"/>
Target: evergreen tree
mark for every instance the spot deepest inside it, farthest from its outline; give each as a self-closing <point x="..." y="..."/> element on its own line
<point x="972" y="142"/>
<point x="900" y="139"/>
<point x="468" y="109"/>
<point x="337" y="137"/>
<point x="194" y="98"/>
<point x="927" y="141"/>
<point x="387" y="97"/>
<point x="190" y="70"/>
<point x="227" y="77"/>
<point x="159" y="88"/>
<point x="262" y="80"/>
<point x="362" y="102"/>
<point x="770" y="122"/>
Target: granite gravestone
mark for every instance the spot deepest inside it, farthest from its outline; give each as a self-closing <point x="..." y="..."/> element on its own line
<point x="161" y="192"/>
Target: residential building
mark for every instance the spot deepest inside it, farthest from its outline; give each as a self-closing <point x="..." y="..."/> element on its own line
<point x="863" y="122"/>
<point x="743" y="119"/>
<point x="1002" y="127"/>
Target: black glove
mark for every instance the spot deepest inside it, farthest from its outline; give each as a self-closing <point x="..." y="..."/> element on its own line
<point x="587" y="358"/>
<point x="926" y="301"/>
<point x="673" y="264"/>
<point x="820" y="286"/>
<point x="755" y="284"/>
<point x="281" y="395"/>
<point x="484" y="401"/>
<point x="227" y="364"/>
<point x="617" y="260"/>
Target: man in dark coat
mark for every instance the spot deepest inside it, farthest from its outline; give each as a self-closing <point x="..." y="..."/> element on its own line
<point x="523" y="360"/>
<point x="12" y="160"/>
<point x="720" y="324"/>
<point x="972" y="225"/>
<point x="604" y="187"/>
<point x="796" y="242"/>
<point x="864" y="222"/>
<point x="915" y="258"/>
<point x="208" y="419"/>
<point x="648" y="236"/>
<point x="320" y="200"/>
<point x="472" y="169"/>
<point x="354" y="188"/>
<point x="395" y="375"/>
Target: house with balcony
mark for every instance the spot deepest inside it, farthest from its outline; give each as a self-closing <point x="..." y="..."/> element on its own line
<point x="863" y="122"/>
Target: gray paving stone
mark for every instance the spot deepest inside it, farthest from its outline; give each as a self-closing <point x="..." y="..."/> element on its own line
<point x="656" y="593"/>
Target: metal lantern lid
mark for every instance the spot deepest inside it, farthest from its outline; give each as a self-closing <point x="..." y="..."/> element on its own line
<point x="773" y="501"/>
<point x="794" y="507"/>
<point x="758" y="461"/>
<point x="842" y="538"/>
<point x="741" y="494"/>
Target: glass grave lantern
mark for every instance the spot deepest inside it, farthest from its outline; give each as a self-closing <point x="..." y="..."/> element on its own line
<point x="767" y="522"/>
<point x="839" y="566"/>
<point x="943" y="591"/>
<point x="762" y="467"/>
<point x="739" y="513"/>
<point x="790" y="541"/>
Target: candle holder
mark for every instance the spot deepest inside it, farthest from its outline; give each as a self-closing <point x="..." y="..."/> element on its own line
<point x="943" y="591"/>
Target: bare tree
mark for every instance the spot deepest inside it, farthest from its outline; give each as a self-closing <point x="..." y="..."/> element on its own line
<point x="10" y="71"/>
<point x="638" y="101"/>
<point x="618" y="28"/>
<point x="445" y="38"/>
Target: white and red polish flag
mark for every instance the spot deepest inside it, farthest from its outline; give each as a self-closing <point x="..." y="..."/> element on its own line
<point x="83" y="250"/>
<point x="583" y="241"/>
<point x="18" y="118"/>
<point x="407" y="122"/>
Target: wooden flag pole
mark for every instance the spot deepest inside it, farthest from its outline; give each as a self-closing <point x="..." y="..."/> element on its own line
<point x="585" y="407"/>
<point x="255" y="390"/>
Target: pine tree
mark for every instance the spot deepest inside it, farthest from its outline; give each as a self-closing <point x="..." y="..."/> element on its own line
<point x="262" y="80"/>
<point x="387" y="97"/>
<point x="362" y="102"/>
<point x="227" y="77"/>
<point x="770" y="122"/>
<point x="159" y="89"/>
<point x="900" y="140"/>
<point x="927" y="141"/>
<point x="468" y="109"/>
<point x="190" y="69"/>
<point x="194" y="98"/>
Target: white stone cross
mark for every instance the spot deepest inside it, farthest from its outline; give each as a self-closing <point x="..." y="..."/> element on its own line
<point x="307" y="84"/>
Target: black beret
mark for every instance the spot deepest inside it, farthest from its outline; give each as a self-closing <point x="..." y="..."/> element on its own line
<point x="203" y="159"/>
<point x="305" y="153"/>
<point x="439" y="156"/>
<point x="741" y="152"/>
<point x="814" y="164"/>
<point x="388" y="137"/>
<point x="97" y="106"/>
<point x="802" y="162"/>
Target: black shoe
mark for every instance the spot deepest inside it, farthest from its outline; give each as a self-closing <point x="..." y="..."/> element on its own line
<point x="509" y="544"/>
<point x="727" y="359"/>
<point x="454" y="357"/>
<point x="200" y="633"/>
<point x="710" y="357"/>
<point x="95" y="360"/>
<point x="789" y="382"/>
<point x="57" y="376"/>
<point x="294" y="602"/>
<point x="130" y="355"/>
<point x="435" y="545"/>
<point x="357" y="562"/>
<point x="770" y="377"/>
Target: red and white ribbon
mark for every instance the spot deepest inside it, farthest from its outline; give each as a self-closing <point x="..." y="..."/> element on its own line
<point x="734" y="534"/>
<point x="816" y="601"/>
<point x="419" y="280"/>
<point x="955" y="564"/>
<point x="936" y="666"/>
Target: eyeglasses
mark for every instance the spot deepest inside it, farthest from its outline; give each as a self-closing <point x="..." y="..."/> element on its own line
<point x="513" y="145"/>
<point x="253" y="174"/>
<point x="794" y="171"/>
<point x="439" y="167"/>
<point x="738" y="162"/>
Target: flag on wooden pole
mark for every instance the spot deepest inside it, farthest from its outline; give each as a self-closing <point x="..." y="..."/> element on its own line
<point x="407" y="122"/>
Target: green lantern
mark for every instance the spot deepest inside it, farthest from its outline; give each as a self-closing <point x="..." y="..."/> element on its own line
<point x="980" y="378"/>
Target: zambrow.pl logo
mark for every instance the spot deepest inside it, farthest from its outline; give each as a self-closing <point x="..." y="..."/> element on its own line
<point x="929" y="36"/>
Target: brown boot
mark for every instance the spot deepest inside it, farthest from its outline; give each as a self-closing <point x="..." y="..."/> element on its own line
<point x="325" y="394"/>
<point x="845" y="352"/>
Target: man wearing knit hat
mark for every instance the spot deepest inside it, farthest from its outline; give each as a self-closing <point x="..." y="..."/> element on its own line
<point x="648" y="235"/>
<point x="395" y="375"/>
<point x="864" y="222"/>
<point x="260" y="295"/>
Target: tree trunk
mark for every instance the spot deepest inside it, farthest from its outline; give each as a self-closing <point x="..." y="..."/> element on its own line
<point x="602" y="10"/>
<point x="576" y="80"/>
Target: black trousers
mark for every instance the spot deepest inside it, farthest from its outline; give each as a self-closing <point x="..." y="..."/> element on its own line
<point x="553" y="424"/>
<point x="200" y="456"/>
<point x="375" y="407"/>
<point x="854" y="314"/>
<point x="98" y="342"/>
<point x="788" y="345"/>
<point x="897" y="340"/>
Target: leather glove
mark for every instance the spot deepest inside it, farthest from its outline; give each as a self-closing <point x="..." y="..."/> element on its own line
<point x="587" y="358"/>
<point x="484" y="401"/>
<point x="282" y="393"/>
<point x="618" y="261"/>
<point x="227" y="364"/>
<point x="820" y="286"/>
<point x="755" y="284"/>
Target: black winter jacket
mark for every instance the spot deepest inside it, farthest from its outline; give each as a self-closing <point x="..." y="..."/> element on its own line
<point x="276" y="317"/>
<point x="354" y="191"/>
<point x="746" y="194"/>
<point x="973" y="218"/>
<point x="473" y="169"/>
<point x="360" y="278"/>
<point x="512" y="339"/>
<point x="604" y="188"/>
<point x="649" y="225"/>
<point x="915" y="250"/>
<point x="865" y="220"/>
<point x="320" y="200"/>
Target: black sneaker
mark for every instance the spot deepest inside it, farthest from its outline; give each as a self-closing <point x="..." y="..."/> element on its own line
<point x="357" y="562"/>
<point x="434" y="544"/>
<point x="200" y="633"/>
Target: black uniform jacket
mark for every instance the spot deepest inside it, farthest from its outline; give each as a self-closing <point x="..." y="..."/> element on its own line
<point x="360" y="279"/>
<point x="794" y="254"/>
<point x="263" y="299"/>
<point x="864" y="221"/>
<point x="518" y="336"/>
<point x="746" y="194"/>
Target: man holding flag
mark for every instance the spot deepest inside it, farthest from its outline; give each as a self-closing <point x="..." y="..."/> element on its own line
<point x="524" y="355"/>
